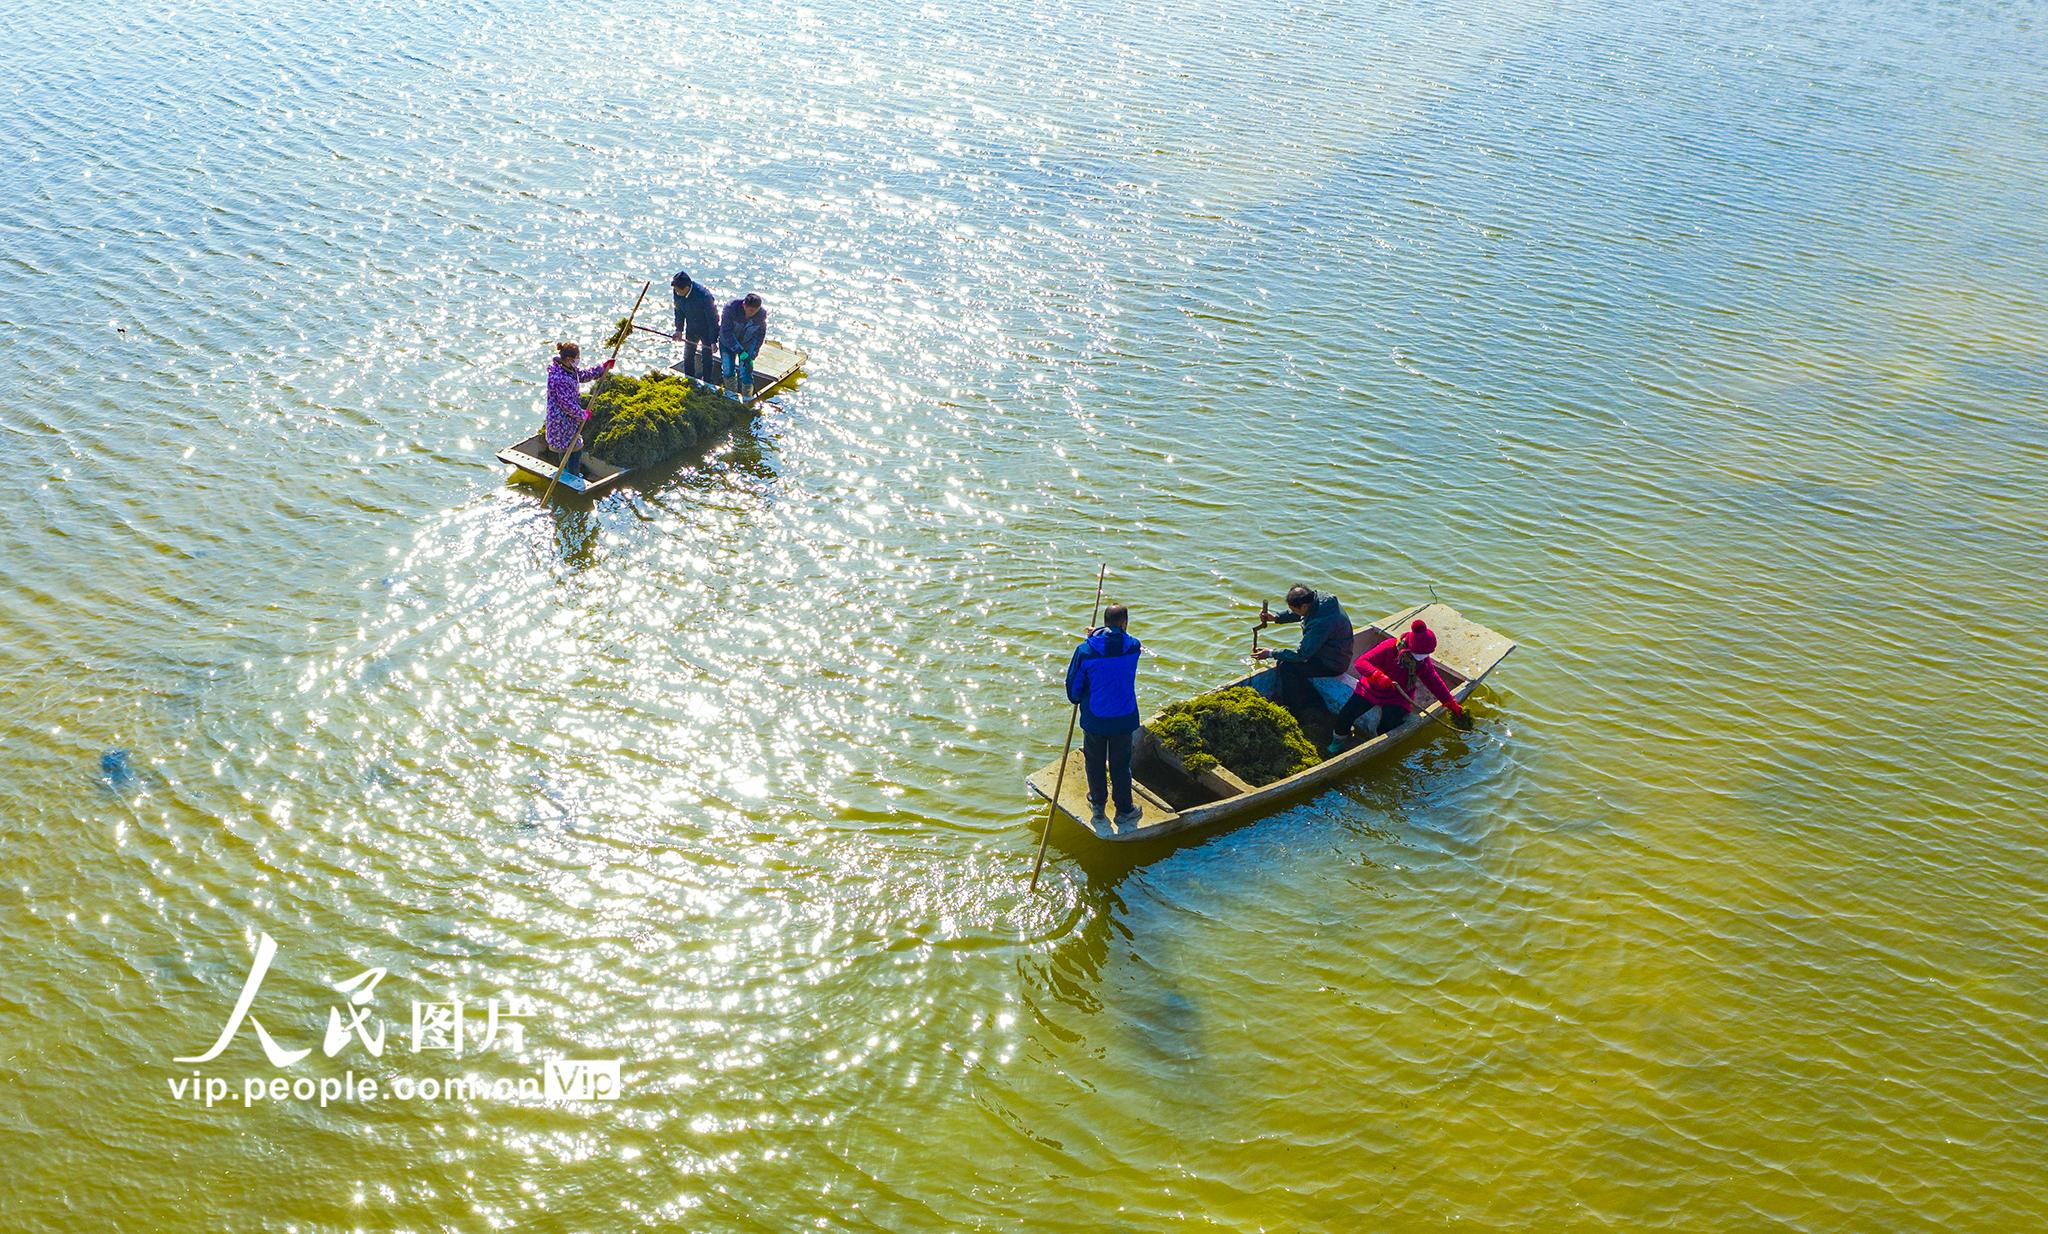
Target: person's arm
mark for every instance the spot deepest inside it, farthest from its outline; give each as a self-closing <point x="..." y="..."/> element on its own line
<point x="1315" y="631"/>
<point x="1077" y="680"/>
<point x="1283" y="654"/>
<point x="728" y="328"/>
<point x="1436" y="685"/>
<point x="594" y="372"/>
<point x="681" y="303"/>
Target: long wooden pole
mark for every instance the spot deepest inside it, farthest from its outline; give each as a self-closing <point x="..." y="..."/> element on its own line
<point x="564" y="462"/>
<point x="1059" y="782"/>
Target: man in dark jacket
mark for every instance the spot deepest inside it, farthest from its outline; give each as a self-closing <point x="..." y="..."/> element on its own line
<point x="1102" y="680"/>
<point x="741" y="331"/>
<point x="1325" y="645"/>
<point x="696" y="327"/>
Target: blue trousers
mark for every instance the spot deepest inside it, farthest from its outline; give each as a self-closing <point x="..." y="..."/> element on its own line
<point x="731" y="362"/>
<point x="1108" y="757"/>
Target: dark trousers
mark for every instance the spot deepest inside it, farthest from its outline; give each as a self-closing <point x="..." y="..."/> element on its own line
<point x="1357" y="705"/>
<point x="572" y="466"/>
<point x="1108" y="756"/>
<point x="1295" y="690"/>
<point x="700" y="358"/>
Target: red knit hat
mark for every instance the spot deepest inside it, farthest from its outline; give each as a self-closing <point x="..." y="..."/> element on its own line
<point x="1421" y="639"/>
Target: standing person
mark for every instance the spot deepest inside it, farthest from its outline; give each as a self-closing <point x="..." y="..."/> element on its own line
<point x="696" y="327"/>
<point x="566" y="413"/>
<point x="1325" y="649"/>
<point x="1102" y="680"/>
<point x="741" y="331"/>
<point x="1389" y="677"/>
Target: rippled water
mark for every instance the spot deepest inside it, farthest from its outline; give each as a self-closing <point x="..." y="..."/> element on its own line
<point x="1698" y="348"/>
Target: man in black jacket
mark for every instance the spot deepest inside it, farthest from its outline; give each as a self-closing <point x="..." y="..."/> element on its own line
<point x="696" y="327"/>
<point x="1325" y="645"/>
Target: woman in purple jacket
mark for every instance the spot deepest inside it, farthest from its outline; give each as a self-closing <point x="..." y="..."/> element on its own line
<point x="566" y="413"/>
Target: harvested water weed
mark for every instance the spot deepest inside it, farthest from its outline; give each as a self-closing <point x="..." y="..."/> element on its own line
<point x="638" y="421"/>
<point x="1240" y="728"/>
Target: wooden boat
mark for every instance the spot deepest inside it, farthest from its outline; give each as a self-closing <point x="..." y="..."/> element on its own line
<point x="1173" y="802"/>
<point x="774" y="368"/>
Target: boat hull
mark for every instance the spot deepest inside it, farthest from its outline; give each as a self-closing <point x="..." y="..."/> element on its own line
<point x="1468" y="650"/>
<point x="775" y="368"/>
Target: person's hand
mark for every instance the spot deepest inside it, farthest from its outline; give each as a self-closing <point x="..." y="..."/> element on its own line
<point x="607" y="365"/>
<point x="1265" y="615"/>
<point x="1263" y="653"/>
<point x="1461" y="721"/>
<point x="677" y="337"/>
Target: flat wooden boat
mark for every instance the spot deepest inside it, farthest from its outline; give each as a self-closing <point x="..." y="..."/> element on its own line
<point x="775" y="368"/>
<point x="1173" y="802"/>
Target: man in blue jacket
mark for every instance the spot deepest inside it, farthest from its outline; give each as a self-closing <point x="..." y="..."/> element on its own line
<point x="741" y="331"/>
<point x="1325" y="645"/>
<point x="696" y="327"/>
<point x="1102" y="680"/>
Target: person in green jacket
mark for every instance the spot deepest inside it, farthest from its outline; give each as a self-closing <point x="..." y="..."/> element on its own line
<point x="1325" y="649"/>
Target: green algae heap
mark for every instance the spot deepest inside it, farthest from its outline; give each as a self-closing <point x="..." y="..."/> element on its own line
<point x="635" y="421"/>
<point x="1239" y="727"/>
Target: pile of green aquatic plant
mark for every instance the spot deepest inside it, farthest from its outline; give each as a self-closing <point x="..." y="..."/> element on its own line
<point x="621" y="328"/>
<point x="635" y="421"/>
<point x="1239" y="727"/>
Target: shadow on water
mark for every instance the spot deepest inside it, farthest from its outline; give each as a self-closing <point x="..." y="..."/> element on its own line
<point x="1116" y="955"/>
<point x="1067" y="981"/>
<point x="575" y="527"/>
<point x="1071" y="971"/>
<point x="1107" y="984"/>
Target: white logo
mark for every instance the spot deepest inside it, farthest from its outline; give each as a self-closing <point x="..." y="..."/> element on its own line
<point x="582" y="1079"/>
<point x="455" y="1028"/>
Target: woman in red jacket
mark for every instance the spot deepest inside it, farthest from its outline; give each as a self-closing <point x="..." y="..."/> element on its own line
<point x="1388" y="678"/>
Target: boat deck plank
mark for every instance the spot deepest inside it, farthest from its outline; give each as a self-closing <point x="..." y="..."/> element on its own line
<point x="1073" y="800"/>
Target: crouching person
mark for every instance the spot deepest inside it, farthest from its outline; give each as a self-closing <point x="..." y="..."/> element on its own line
<point x="741" y="330"/>
<point x="1102" y="680"/>
<point x="1324" y="652"/>
<point x="1390" y="677"/>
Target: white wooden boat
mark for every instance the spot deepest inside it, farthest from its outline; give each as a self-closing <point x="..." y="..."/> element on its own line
<point x="1172" y="802"/>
